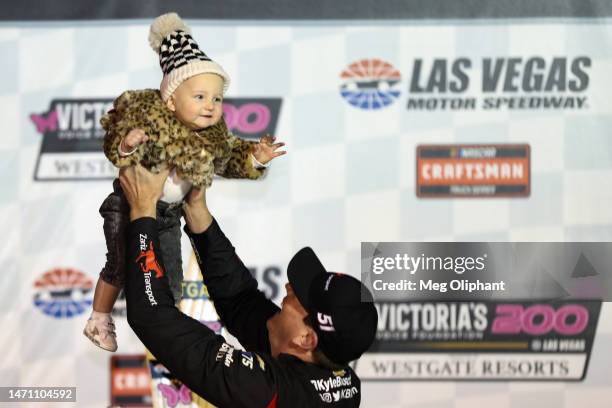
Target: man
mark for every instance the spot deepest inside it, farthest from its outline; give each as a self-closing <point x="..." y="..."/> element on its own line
<point x="296" y="356"/>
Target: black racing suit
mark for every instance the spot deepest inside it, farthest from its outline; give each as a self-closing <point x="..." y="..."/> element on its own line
<point x="210" y="367"/>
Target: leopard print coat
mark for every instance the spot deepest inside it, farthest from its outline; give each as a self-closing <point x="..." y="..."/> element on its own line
<point x="197" y="156"/>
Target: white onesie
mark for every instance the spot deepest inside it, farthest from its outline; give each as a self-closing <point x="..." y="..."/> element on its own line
<point x="175" y="188"/>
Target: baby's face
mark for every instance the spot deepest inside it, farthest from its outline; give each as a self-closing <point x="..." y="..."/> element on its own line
<point x="198" y="101"/>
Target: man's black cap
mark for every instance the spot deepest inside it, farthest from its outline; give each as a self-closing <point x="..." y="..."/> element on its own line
<point x="345" y="323"/>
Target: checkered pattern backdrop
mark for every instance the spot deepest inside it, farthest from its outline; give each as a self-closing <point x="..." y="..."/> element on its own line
<point x="349" y="175"/>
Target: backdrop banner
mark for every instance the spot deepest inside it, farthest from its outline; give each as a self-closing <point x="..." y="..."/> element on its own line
<point x="370" y="113"/>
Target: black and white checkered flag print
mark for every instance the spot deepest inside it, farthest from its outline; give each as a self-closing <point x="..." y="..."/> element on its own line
<point x="177" y="49"/>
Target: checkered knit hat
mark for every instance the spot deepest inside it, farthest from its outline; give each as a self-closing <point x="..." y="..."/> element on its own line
<point x="179" y="55"/>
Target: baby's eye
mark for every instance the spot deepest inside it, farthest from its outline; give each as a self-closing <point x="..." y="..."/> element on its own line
<point x="199" y="97"/>
<point x="218" y="99"/>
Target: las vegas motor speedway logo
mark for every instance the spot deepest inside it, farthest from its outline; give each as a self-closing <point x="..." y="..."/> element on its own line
<point x="533" y="83"/>
<point x="370" y="84"/>
<point x="63" y="293"/>
<point x="72" y="137"/>
<point x="470" y="84"/>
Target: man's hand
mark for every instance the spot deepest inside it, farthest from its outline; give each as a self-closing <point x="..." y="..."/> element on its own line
<point x="142" y="189"/>
<point x="265" y="150"/>
<point x="197" y="215"/>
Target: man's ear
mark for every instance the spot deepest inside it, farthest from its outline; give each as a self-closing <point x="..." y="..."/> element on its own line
<point x="308" y="340"/>
<point x="170" y="103"/>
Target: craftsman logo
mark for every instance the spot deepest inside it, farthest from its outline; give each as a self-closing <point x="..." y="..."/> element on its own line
<point x="370" y="84"/>
<point x="63" y="293"/>
<point x="72" y="140"/>
<point x="130" y="380"/>
<point x="473" y="171"/>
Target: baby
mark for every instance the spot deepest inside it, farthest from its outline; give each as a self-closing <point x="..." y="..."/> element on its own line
<point x="180" y="126"/>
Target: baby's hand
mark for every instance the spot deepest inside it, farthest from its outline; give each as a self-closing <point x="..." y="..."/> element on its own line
<point x="265" y="150"/>
<point x="133" y="139"/>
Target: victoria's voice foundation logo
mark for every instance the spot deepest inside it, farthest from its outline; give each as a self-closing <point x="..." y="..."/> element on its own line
<point x="370" y="84"/>
<point x="63" y="293"/>
<point x="72" y="137"/>
<point x="483" y="341"/>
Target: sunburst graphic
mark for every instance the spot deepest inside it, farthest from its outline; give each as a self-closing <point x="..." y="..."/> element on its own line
<point x="63" y="293"/>
<point x="370" y="84"/>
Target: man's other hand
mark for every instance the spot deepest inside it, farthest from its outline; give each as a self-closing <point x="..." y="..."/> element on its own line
<point x="142" y="189"/>
<point x="197" y="216"/>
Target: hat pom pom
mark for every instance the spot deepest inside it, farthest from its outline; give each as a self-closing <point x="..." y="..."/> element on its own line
<point x="164" y="25"/>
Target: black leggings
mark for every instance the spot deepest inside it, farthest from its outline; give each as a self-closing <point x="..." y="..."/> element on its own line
<point x="116" y="213"/>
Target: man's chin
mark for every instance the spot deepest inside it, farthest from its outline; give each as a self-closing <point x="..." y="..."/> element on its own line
<point x="273" y="320"/>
